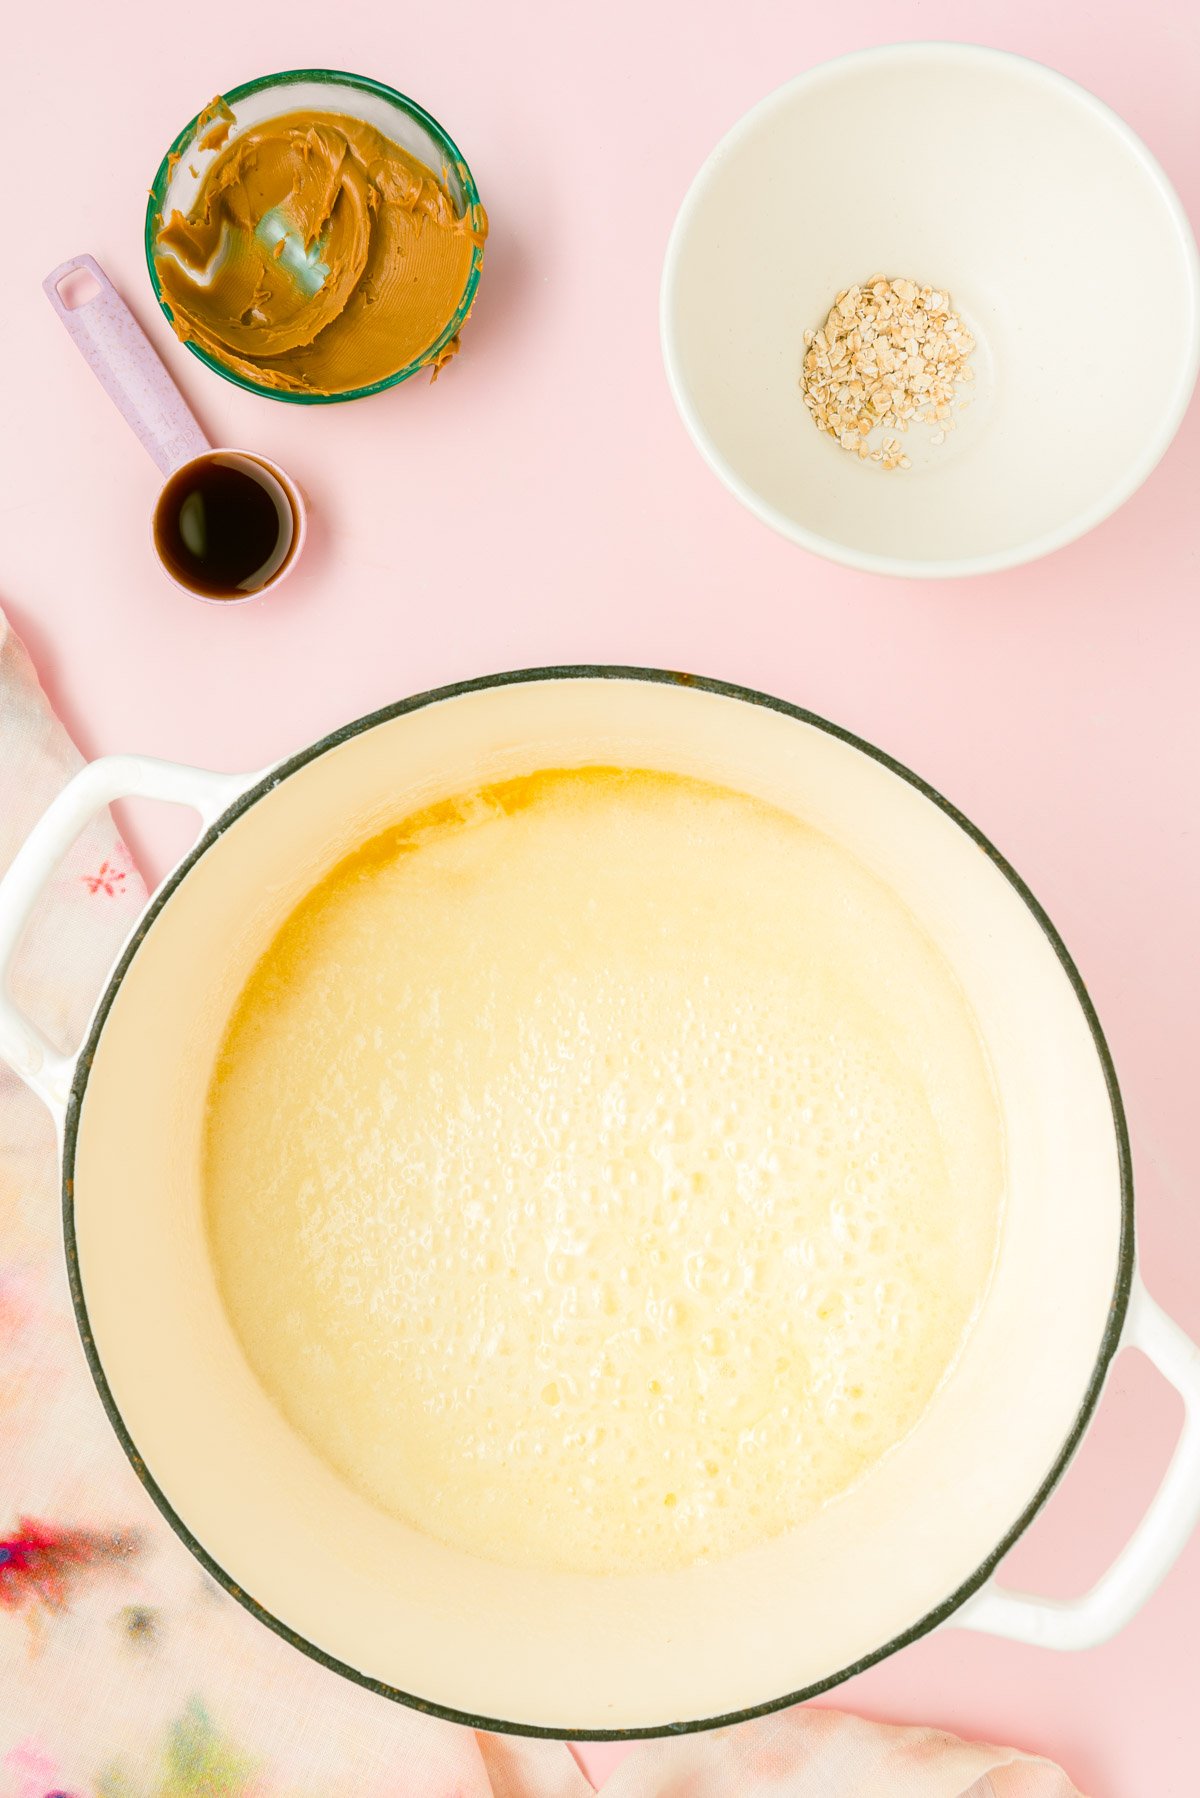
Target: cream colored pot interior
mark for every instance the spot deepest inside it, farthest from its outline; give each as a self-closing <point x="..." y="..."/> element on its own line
<point x="578" y="1654"/>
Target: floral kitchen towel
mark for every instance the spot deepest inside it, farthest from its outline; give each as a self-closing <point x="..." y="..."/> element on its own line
<point x="125" y="1672"/>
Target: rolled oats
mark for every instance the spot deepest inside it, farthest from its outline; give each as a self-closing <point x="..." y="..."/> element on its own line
<point x="889" y="352"/>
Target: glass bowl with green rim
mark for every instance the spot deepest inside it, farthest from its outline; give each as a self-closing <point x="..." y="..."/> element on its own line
<point x="183" y="170"/>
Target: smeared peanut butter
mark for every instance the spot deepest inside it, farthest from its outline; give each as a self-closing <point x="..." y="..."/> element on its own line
<point x="319" y="256"/>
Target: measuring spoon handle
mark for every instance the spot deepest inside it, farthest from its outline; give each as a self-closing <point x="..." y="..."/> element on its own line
<point x="122" y="358"/>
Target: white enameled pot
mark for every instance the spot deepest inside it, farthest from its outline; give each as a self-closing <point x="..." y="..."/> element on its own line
<point x="912" y="1546"/>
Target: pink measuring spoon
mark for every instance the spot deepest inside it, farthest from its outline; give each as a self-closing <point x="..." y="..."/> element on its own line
<point x="214" y="502"/>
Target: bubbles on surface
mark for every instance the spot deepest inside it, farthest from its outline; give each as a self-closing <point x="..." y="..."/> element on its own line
<point x="602" y="1173"/>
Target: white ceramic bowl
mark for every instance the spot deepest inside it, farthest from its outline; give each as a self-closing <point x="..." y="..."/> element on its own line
<point x="1060" y="241"/>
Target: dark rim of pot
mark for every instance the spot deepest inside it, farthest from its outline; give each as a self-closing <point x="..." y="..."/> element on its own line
<point x="1110" y="1338"/>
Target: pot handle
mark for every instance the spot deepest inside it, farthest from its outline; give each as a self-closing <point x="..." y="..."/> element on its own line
<point x="1157" y="1541"/>
<point x="22" y="1045"/>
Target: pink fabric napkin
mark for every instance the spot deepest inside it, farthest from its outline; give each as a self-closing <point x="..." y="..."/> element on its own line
<point x="125" y="1672"/>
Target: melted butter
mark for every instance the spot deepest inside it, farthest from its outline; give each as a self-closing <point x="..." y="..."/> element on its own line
<point x="602" y="1171"/>
<point x="319" y="256"/>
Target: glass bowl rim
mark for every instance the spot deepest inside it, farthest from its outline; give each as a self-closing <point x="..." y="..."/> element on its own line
<point x="454" y="158"/>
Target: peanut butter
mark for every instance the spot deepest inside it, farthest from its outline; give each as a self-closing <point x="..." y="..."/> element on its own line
<point x="319" y="256"/>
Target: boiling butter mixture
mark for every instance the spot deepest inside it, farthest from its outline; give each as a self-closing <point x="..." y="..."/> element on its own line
<point x="319" y="256"/>
<point x="602" y="1171"/>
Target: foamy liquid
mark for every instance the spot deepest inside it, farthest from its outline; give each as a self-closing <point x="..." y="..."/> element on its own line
<point x="602" y="1171"/>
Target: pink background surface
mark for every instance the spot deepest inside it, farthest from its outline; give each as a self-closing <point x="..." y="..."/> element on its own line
<point x="542" y="503"/>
